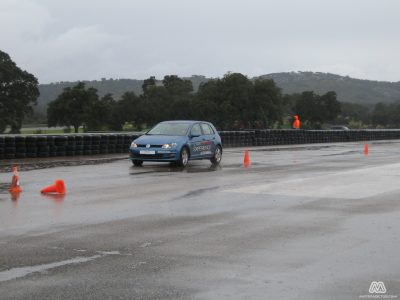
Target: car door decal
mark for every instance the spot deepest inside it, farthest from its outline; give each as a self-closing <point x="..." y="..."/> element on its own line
<point x="203" y="147"/>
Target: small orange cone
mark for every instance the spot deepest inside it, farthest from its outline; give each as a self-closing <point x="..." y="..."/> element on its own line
<point x="366" y="149"/>
<point x="15" y="187"/>
<point x="246" y="160"/>
<point x="57" y="188"/>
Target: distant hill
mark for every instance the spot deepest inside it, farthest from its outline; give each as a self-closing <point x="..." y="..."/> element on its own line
<point x="49" y="92"/>
<point x="348" y="89"/>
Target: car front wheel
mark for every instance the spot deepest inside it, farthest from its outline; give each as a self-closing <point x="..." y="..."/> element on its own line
<point x="216" y="159"/>
<point x="184" y="157"/>
<point x="137" y="163"/>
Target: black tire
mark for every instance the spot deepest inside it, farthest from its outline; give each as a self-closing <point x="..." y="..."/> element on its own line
<point x="104" y="151"/>
<point x="111" y="149"/>
<point x="60" y="140"/>
<point x="9" y="141"/>
<point x="10" y="149"/>
<point x="20" y="150"/>
<point x="43" y="154"/>
<point x="183" y="157"/>
<point x="137" y="163"/>
<point x="78" y="140"/>
<point x="41" y="140"/>
<point x="217" y="157"/>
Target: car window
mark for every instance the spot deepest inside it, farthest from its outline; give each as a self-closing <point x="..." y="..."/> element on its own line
<point x="196" y="130"/>
<point x="206" y="129"/>
<point x="169" y="129"/>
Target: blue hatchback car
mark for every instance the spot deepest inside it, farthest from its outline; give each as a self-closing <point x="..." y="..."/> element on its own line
<point x="178" y="142"/>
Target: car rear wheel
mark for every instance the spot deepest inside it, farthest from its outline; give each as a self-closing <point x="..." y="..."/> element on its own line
<point x="183" y="158"/>
<point x="216" y="159"/>
<point x="137" y="163"/>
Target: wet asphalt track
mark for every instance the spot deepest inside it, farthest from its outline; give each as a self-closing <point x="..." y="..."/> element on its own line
<point x="303" y="222"/>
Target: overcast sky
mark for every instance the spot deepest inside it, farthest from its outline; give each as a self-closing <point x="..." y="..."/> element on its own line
<point x="68" y="40"/>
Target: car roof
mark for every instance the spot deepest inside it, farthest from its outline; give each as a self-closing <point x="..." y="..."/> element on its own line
<point x="183" y="121"/>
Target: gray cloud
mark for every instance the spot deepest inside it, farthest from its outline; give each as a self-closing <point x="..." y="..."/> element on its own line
<point x="89" y="39"/>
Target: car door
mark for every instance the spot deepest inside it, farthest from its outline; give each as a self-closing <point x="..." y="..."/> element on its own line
<point x="208" y="140"/>
<point x="195" y="139"/>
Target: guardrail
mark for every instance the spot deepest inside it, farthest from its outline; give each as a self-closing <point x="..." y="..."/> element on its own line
<point x="32" y="146"/>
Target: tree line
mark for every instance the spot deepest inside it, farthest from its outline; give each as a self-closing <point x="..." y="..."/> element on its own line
<point x="231" y="102"/>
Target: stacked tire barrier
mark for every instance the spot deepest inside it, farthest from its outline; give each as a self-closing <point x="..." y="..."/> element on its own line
<point x="268" y="137"/>
<point x="32" y="146"/>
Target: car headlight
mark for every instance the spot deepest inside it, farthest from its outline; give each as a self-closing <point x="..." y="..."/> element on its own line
<point x="169" y="146"/>
<point x="133" y="145"/>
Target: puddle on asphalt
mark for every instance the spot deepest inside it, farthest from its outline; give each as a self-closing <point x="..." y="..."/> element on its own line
<point x="4" y="187"/>
<point x="5" y="195"/>
<point x="163" y="170"/>
<point x="343" y="153"/>
<point x="199" y="192"/>
<point x="56" y="198"/>
<point x="35" y="164"/>
<point x="315" y="148"/>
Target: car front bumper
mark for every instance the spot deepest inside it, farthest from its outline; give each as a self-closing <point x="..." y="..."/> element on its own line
<point x="152" y="154"/>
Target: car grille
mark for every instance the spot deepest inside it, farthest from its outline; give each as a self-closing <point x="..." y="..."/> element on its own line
<point x="151" y="146"/>
<point x="153" y="156"/>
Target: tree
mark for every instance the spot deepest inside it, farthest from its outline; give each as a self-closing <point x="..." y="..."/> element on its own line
<point x="331" y="107"/>
<point x="73" y="107"/>
<point x="100" y="115"/>
<point x="127" y="109"/>
<point x="386" y="115"/>
<point x="268" y="105"/>
<point x="205" y="105"/>
<point x="148" y="84"/>
<point x="316" y="110"/>
<point x="18" y="92"/>
<point x="353" y="113"/>
<point x="171" y="100"/>
<point x="177" y="86"/>
<point x="238" y="94"/>
<point x="237" y="102"/>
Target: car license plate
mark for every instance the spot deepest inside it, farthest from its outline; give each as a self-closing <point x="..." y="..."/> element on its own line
<point x="147" y="152"/>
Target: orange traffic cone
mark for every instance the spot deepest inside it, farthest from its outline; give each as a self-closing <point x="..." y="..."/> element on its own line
<point x="246" y="160"/>
<point x="15" y="188"/>
<point x="57" y="188"/>
<point x="366" y="149"/>
<point x="15" y="196"/>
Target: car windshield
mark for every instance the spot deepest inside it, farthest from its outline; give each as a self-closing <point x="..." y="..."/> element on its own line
<point x="170" y="129"/>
